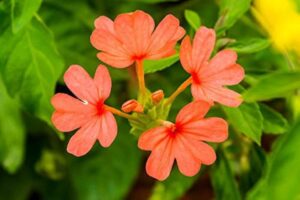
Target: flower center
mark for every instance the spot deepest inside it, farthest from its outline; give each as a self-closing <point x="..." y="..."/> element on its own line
<point x="100" y="107"/>
<point x="174" y="130"/>
<point x="196" y="78"/>
<point x="138" y="57"/>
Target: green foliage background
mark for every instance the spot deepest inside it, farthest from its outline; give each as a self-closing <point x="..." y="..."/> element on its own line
<point x="40" y="39"/>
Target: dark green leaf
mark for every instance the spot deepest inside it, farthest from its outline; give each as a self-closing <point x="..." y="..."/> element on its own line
<point x="247" y="119"/>
<point x="12" y="133"/>
<point x="31" y="65"/>
<point x="278" y="84"/>
<point x="230" y="12"/>
<point x="151" y="66"/>
<point x="274" y="122"/>
<point x="22" y="11"/>
<point x="108" y="174"/>
<point x="281" y="180"/>
<point x="192" y="18"/>
<point x="250" y="45"/>
<point x="223" y="180"/>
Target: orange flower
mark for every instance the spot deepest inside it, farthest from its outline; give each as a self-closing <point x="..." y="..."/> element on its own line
<point x="183" y="141"/>
<point x="89" y="113"/>
<point x="210" y="76"/>
<point x="131" y="37"/>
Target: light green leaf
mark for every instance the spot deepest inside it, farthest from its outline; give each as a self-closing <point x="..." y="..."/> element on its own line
<point x="250" y="45"/>
<point x="12" y="133"/>
<point x="108" y="174"/>
<point x="192" y="18"/>
<point x="246" y="119"/>
<point x="274" y="122"/>
<point x="223" y="180"/>
<point x="281" y="180"/>
<point x="22" y="11"/>
<point x="31" y="65"/>
<point x="174" y="187"/>
<point x="230" y="12"/>
<point x="278" y="84"/>
<point x="153" y="1"/>
<point x="151" y="66"/>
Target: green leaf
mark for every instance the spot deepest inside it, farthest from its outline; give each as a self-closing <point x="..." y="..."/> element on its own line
<point x="153" y="1"/>
<point x="174" y="187"/>
<point x="151" y="66"/>
<point x="192" y="18"/>
<point x="230" y="12"/>
<point x="247" y="119"/>
<point x="108" y="174"/>
<point x="31" y="65"/>
<point x="278" y="84"/>
<point x="223" y="180"/>
<point x="281" y="180"/>
<point x="12" y="133"/>
<point x="22" y="11"/>
<point x="274" y="122"/>
<point x="250" y="45"/>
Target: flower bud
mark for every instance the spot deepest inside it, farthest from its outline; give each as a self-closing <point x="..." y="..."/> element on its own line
<point x="132" y="106"/>
<point x="157" y="96"/>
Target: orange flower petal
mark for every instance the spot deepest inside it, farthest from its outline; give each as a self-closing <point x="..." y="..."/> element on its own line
<point x="185" y="54"/>
<point x="152" y="137"/>
<point x="160" y="161"/>
<point x="199" y="93"/>
<point x="65" y="103"/>
<point x="167" y="30"/>
<point x="224" y="96"/>
<point x="81" y="84"/>
<point x="134" y="30"/>
<point x="105" y="23"/>
<point x="84" y="139"/>
<point x="187" y="163"/>
<point x="103" y="82"/>
<point x="67" y="121"/>
<point x="219" y="62"/>
<point x="203" y="45"/>
<point x="106" y="41"/>
<point x="192" y="112"/>
<point x="108" y="129"/>
<point x="200" y="150"/>
<point x="231" y="75"/>
<point x="115" y="61"/>
<point x="212" y="129"/>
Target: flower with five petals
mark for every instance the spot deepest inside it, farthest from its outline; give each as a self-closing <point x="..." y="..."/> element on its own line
<point x="88" y="112"/>
<point x="210" y="76"/>
<point x="131" y="37"/>
<point x="183" y="141"/>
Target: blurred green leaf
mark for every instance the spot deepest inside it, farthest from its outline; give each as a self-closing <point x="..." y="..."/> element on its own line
<point x="151" y="66"/>
<point x="108" y="174"/>
<point x="12" y="133"/>
<point x="174" y="187"/>
<point x="274" y="122"/>
<point x="250" y="45"/>
<point x="230" y="12"/>
<point x="31" y="65"/>
<point x="21" y="12"/>
<point x="281" y="178"/>
<point x="252" y="162"/>
<point x="223" y="180"/>
<point x="277" y="84"/>
<point x="247" y="119"/>
<point x="192" y="18"/>
<point x="153" y="1"/>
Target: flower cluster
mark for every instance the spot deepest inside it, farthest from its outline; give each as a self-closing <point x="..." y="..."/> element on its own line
<point x="130" y="39"/>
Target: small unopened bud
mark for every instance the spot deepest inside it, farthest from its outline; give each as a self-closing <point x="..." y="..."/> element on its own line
<point x="157" y="96"/>
<point x="132" y="106"/>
